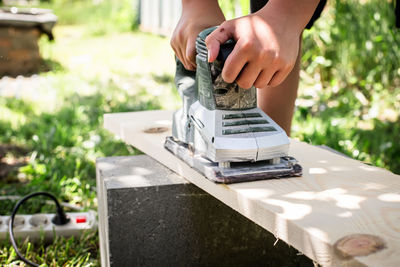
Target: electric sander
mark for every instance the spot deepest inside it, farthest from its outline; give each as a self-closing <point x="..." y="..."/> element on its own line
<point x="219" y="131"/>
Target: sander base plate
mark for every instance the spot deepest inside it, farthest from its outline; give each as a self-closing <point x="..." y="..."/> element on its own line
<point x="238" y="171"/>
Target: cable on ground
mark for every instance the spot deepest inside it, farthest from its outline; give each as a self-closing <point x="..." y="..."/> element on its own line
<point x="59" y="219"/>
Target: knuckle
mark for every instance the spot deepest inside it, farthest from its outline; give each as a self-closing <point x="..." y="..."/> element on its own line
<point x="180" y="35"/>
<point x="222" y="27"/>
<point x="283" y="62"/>
<point x="172" y="42"/>
<point x="287" y="68"/>
<point x="262" y="55"/>
<point x="278" y="60"/>
<point x="274" y="83"/>
<point x="260" y="84"/>
<point x="187" y="66"/>
<point x="267" y="55"/>
<point x="277" y="80"/>
<point x="227" y="78"/>
<point x="244" y="84"/>
<point x="209" y="37"/>
<point x="291" y="64"/>
<point x="188" y="54"/>
<point x="246" y="45"/>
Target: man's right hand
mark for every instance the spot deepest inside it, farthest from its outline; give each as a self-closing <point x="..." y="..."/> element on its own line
<point x="196" y="16"/>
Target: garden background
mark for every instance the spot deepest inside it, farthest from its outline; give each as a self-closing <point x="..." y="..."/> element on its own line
<point x="51" y="123"/>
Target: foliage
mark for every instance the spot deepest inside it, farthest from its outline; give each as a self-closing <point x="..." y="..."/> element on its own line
<point x="349" y="95"/>
<point x="62" y="252"/>
<point x="234" y="8"/>
<point x="100" y="16"/>
<point x="65" y="143"/>
<point x="351" y="82"/>
<point x="62" y="129"/>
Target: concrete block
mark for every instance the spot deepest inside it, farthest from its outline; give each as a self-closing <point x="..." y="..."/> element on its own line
<point x="149" y="216"/>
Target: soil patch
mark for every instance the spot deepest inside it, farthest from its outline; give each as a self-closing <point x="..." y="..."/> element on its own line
<point x="11" y="158"/>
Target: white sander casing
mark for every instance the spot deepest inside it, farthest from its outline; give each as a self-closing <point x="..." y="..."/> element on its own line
<point x="236" y="136"/>
<point x="219" y="131"/>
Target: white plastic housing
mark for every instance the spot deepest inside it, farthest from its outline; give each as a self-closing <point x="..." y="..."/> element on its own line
<point x="250" y="146"/>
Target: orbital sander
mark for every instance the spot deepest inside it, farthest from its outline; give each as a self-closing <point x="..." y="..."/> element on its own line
<point x="219" y="131"/>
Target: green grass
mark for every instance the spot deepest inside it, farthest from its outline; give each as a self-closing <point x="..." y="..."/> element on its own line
<point x="349" y="97"/>
<point x="100" y="17"/>
<point x="64" y="140"/>
<point x="62" y="131"/>
<point x="81" y="251"/>
<point x="348" y="100"/>
<point x="351" y="83"/>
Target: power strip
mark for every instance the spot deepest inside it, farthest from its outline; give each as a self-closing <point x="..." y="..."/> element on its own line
<point x="39" y="225"/>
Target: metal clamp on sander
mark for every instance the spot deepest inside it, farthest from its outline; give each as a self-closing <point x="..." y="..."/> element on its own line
<point x="219" y="131"/>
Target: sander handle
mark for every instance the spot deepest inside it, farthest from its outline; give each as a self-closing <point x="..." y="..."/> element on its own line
<point x="225" y="50"/>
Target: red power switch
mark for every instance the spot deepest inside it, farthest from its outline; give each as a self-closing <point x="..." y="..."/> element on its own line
<point x="80" y="219"/>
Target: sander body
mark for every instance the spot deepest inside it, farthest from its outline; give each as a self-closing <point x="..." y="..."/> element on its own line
<point x="220" y="131"/>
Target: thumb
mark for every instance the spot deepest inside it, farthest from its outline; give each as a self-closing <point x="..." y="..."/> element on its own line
<point x="213" y="41"/>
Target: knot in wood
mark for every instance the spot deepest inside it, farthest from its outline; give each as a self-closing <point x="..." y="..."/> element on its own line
<point x="358" y="245"/>
<point x="153" y="130"/>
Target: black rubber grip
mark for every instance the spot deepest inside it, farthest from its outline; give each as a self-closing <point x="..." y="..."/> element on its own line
<point x="225" y="50"/>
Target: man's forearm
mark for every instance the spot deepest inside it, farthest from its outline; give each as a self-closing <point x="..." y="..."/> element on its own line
<point x="203" y="7"/>
<point x="207" y="4"/>
<point x="298" y="13"/>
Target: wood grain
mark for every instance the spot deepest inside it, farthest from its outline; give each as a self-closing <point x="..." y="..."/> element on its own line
<point x="341" y="212"/>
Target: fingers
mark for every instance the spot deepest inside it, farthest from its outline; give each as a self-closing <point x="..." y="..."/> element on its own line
<point x="184" y="56"/>
<point x="233" y="65"/>
<point x="215" y="39"/>
<point x="191" y="55"/>
<point x="263" y="79"/>
<point x="278" y="78"/>
<point x="185" y="50"/>
<point x="248" y="75"/>
<point x="177" y="51"/>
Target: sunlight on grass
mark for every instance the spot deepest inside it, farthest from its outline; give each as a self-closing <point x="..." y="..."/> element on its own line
<point x="130" y="61"/>
<point x="58" y="118"/>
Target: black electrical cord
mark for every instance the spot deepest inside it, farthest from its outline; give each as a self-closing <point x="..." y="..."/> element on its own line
<point x="59" y="219"/>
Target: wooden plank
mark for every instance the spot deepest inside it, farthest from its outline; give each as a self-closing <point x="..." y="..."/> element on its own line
<point x="340" y="212"/>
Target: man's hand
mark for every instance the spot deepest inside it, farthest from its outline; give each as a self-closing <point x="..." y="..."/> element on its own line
<point x="197" y="15"/>
<point x="267" y="43"/>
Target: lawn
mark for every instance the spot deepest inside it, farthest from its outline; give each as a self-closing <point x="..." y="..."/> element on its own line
<point x="62" y="128"/>
<point x="349" y="100"/>
<point x="54" y="127"/>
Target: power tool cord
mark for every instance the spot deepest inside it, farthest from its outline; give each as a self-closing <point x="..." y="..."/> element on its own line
<point x="50" y="202"/>
<point x="59" y="219"/>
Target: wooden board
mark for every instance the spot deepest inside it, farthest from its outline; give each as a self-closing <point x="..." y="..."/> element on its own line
<point x="340" y="212"/>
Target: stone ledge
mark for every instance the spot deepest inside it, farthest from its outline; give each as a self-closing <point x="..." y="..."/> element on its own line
<point x="149" y="216"/>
